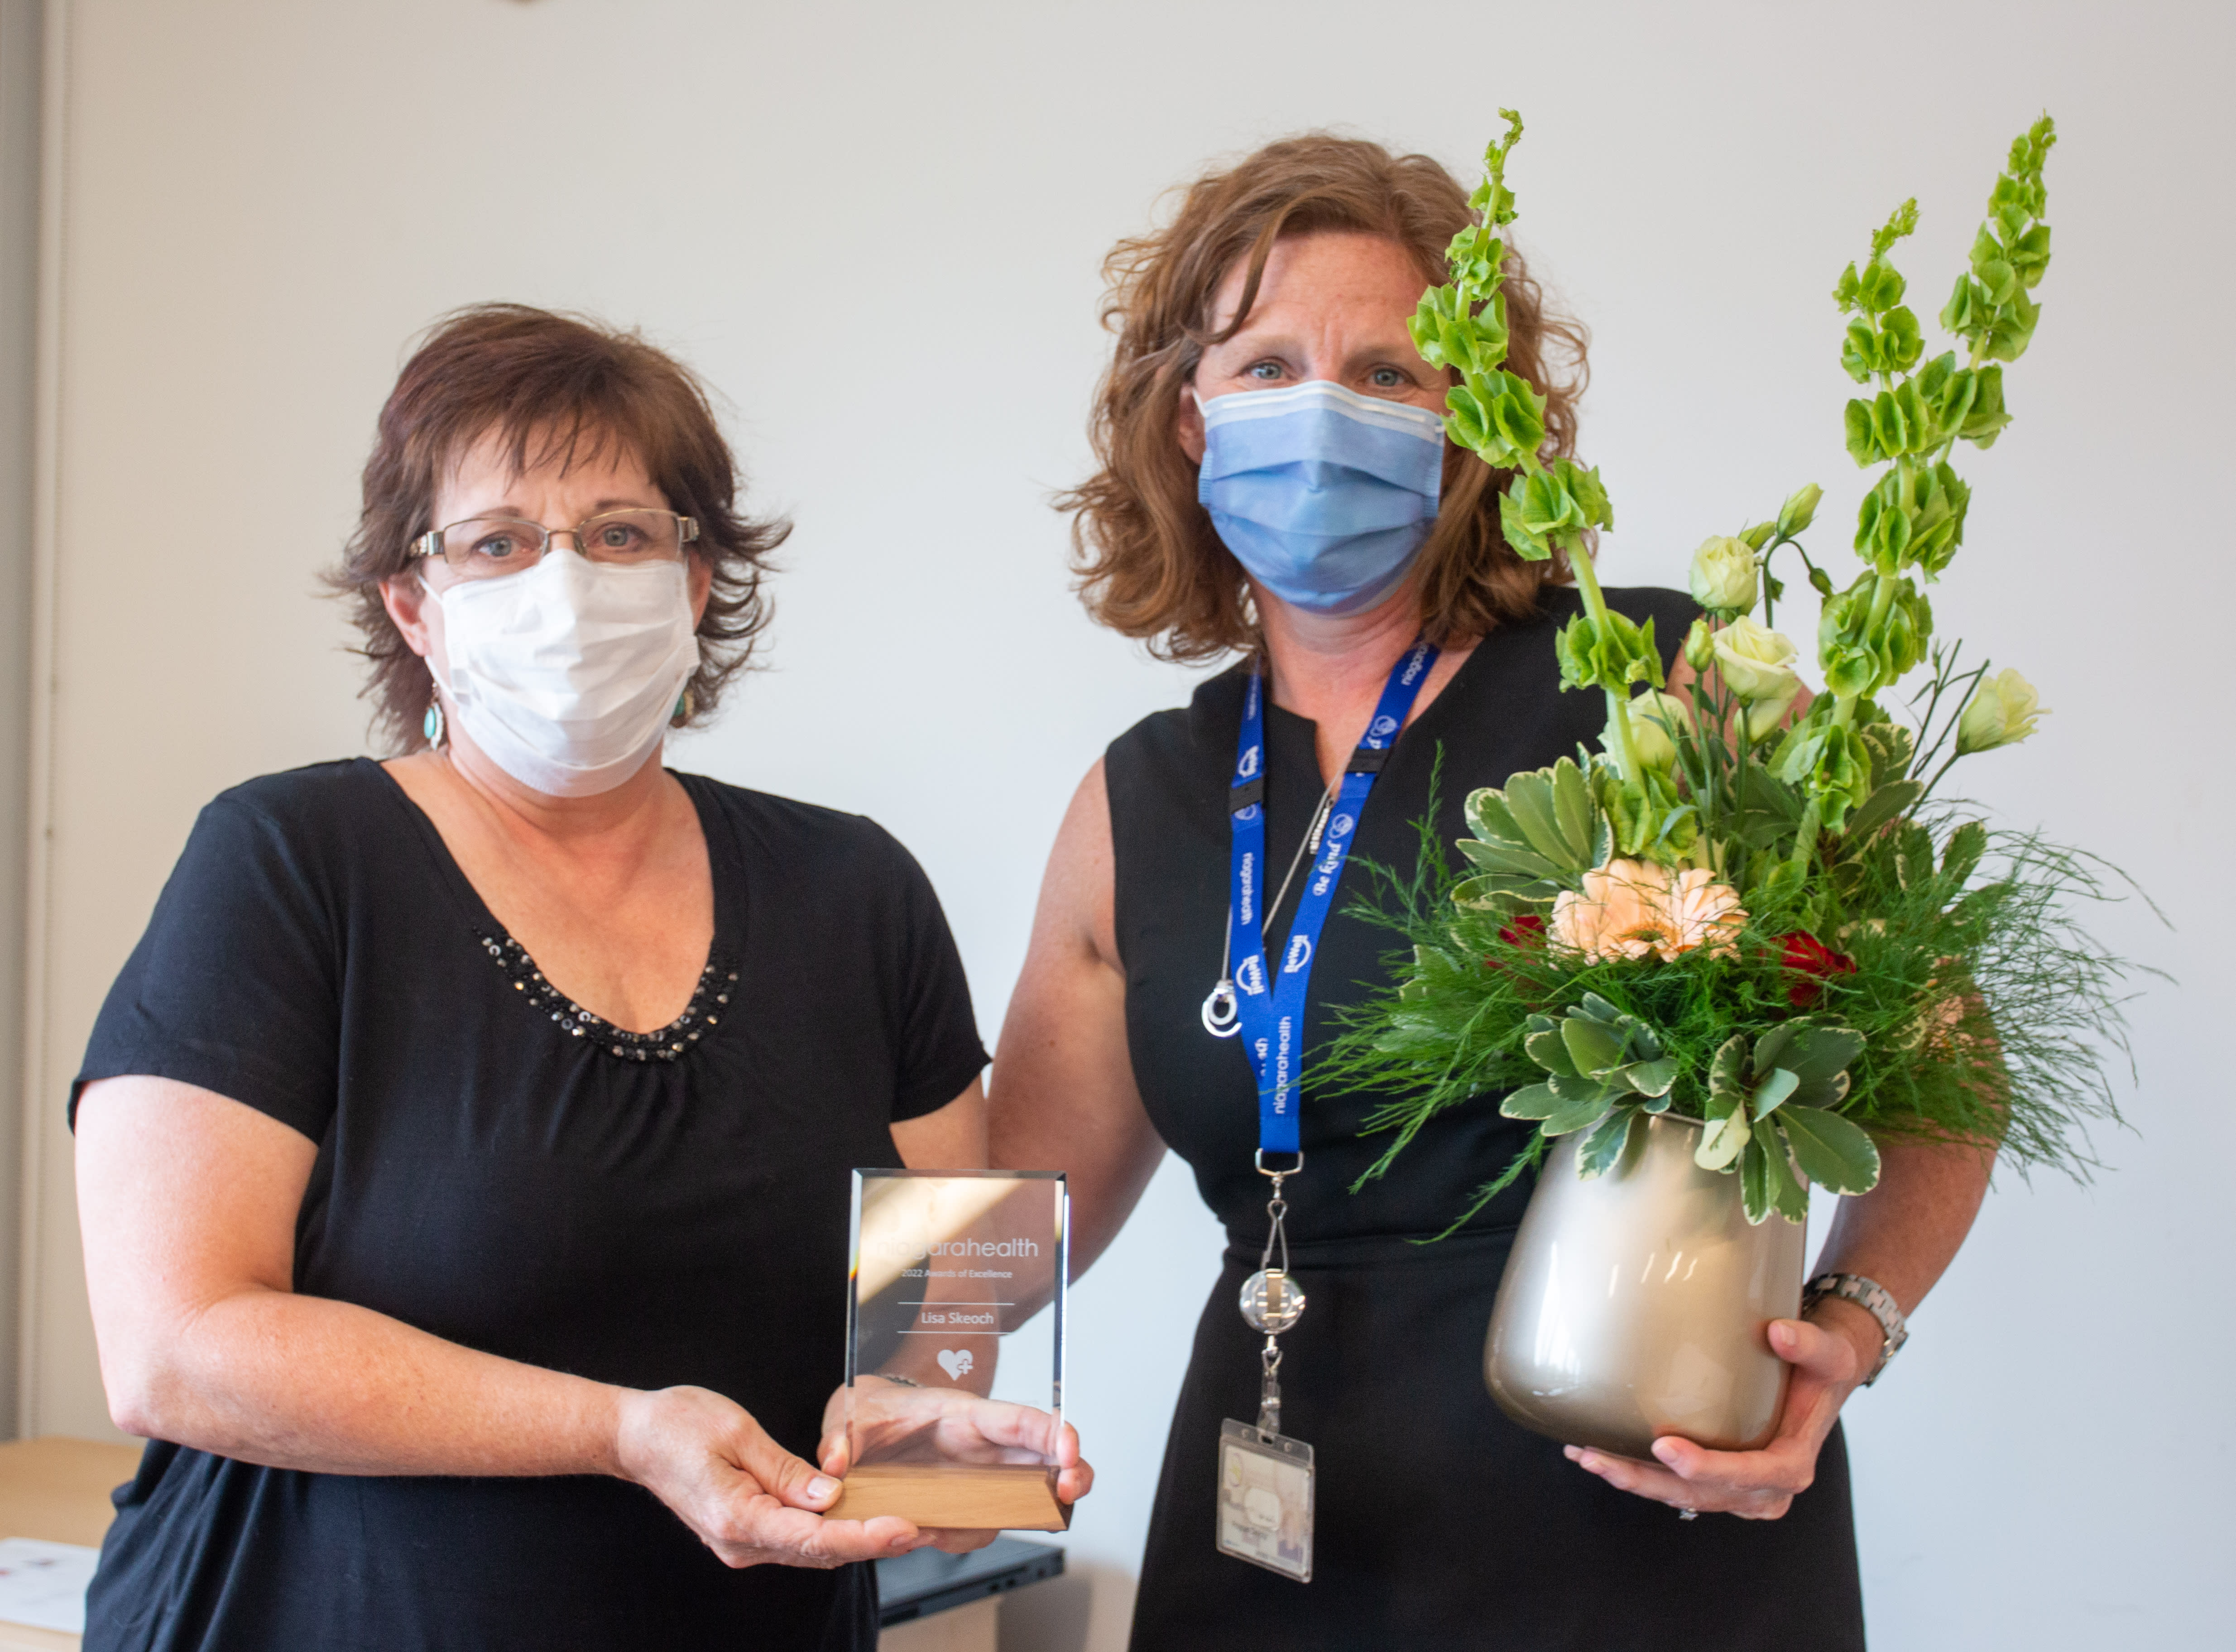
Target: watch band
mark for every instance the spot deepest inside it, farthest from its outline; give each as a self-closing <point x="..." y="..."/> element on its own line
<point x="1874" y="1298"/>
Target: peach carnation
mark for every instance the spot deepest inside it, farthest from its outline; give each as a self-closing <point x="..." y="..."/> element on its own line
<point x="1702" y="913"/>
<point x="1628" y="909"/>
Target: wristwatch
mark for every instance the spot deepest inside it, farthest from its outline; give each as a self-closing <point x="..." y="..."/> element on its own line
<point x="1874" y="1298"/>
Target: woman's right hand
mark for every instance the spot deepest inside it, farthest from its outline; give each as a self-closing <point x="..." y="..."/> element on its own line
<point x="748" y="1499"/>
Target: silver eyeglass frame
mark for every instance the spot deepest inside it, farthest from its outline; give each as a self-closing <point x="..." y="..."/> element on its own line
<point x="430" y="542"/>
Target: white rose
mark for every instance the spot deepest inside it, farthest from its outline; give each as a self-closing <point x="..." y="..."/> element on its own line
<point x="1723" y="575"/>
<point x="1757" y="662"/>
<point x="2001" y="713"/>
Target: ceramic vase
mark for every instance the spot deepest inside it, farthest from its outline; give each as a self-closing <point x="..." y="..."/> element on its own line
<point x="1638" y="1304"/>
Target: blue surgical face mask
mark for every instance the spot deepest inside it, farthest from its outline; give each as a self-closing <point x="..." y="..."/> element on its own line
<point x="1324" y="496"/>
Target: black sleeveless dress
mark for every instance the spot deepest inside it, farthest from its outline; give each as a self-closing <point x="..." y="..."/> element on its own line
<point x="1439" y="1522"/>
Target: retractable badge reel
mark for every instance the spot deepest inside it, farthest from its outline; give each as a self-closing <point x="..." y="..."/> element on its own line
<point x="1266" y="1478"/>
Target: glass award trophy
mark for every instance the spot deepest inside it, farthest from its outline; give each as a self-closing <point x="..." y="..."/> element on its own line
<point x="956" y="1286"/>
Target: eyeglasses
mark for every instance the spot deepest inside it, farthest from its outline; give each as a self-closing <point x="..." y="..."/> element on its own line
<point x="491" y="547"/>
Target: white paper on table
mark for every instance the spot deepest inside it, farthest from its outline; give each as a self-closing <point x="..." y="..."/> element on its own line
<point x="44" y="1584"/>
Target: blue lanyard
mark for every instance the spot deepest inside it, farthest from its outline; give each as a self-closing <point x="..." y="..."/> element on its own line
<point x="1273" y="1022"/>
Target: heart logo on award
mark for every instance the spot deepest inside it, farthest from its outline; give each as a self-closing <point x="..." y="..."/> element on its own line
<point x="956" y="1362"/>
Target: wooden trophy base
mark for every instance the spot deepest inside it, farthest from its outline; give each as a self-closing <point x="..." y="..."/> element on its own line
<point x="1012" y="1497"/>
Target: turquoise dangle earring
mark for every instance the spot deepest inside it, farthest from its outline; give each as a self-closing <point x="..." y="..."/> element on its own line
<point x="431" y="725"/>
<point x="685" y="705"/>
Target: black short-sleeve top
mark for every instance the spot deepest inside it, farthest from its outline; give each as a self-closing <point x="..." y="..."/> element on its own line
<point x="501" y="1169"/>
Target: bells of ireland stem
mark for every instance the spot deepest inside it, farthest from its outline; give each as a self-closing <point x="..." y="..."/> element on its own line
<point x="1828" y="760"/>
<point x="1723" y="575"/>
<point x="1871" y="633"/>
<point x="2002" y="712"/>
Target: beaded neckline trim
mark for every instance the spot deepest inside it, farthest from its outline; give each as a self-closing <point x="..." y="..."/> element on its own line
<point x="709" y="1002"/>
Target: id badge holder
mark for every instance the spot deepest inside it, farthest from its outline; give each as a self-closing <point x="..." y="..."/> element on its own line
<point x="1266" y="1499"/>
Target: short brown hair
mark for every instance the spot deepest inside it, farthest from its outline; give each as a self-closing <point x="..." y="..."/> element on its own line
<point x="1150" y="564"/>
<point x="556" y="389"/>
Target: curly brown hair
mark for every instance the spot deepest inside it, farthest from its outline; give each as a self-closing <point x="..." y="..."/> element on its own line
<point x="1149" y="563"/>
<point x="555" y="389"/>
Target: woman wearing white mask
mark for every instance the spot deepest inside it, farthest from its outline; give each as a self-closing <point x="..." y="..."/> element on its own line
<point x="1276" y="482"/>
<point x="463" y="1153"/>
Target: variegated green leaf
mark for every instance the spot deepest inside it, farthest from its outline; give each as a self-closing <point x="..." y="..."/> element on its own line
<point x="1811" y="1050"/>
<point x="1962" y="855"/>
<point x="1727" y="1075"/>
<point x="1593" y="1045"/>
<point x="1787" y="1196"/>
<point x="1531" y="1101"/>
<point x="1833" y="1152"/>
<point x="1579" y="1087"/>
<point x="1573" y="1115"/>
<point x="1543" y="1045"/>
<point x="1721" y="1141"/>
<point x="1770" y="1089"/>
<point x="1824" y="1092"/>
<point x="1754" y="1182"/>
<point x="1894" y="799"/>
<point x="1608" y="1140"/>
<point x="1650" y="1077"/>
<point x="1577" y="815"/>
<point x="1530" y="799"/>
<point x="1497" y="891"/>
<point x="1488" y="818"/>
<point x="1506" y="858"/>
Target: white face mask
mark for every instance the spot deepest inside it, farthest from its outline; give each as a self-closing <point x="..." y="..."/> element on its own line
<point x="567" y="674"/>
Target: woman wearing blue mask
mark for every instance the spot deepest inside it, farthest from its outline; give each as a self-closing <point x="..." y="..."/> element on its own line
<point x="463" y="1154"/>
<point x="1276" y="484"/>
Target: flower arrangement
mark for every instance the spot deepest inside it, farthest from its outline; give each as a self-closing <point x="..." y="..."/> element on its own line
<point x="1763" y="921"/>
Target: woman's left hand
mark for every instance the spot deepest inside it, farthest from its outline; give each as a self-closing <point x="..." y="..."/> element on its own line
<point x="1828" y="1362"/>
<point x="951" y="1424"/>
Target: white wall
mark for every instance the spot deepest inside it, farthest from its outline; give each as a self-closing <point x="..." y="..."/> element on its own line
<point x="877" y="228"/>
<point x="19" y="268"/>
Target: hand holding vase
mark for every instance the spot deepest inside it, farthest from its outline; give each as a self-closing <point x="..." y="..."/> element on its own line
<point x="1829" y="1360"/>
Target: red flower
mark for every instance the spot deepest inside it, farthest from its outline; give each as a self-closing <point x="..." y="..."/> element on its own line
<point x="1805" y="955"/>
<point x="1527" y="931"/>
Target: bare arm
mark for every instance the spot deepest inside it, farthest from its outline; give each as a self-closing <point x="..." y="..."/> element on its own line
<point x="189" y="1201"/>
<point x="1904" y="1232"/>
<point x="954" y="1138"/>
<point x="1063" y="1095"/>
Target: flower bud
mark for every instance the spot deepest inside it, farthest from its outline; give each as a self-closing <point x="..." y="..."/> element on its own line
<point x="2001" y="713"/>
<point x="1763" y="716"/>
<point x="1797" y="512"/>
<point x="1655" y="717"/>
<point x="1757" y="663"/>
<point x="1756" y="537"/>
<point x="1723" y="576"/>
<point x="1700" y="646"/>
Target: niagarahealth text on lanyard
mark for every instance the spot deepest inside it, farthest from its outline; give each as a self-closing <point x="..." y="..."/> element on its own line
<point x="1265" y="1477"/>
